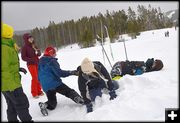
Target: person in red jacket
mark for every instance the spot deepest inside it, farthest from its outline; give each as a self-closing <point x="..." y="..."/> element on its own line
<point x="30" y="53"/>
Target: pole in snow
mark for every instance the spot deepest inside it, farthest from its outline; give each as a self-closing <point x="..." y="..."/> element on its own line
<point x="109" y="42"/>
<point x="125" y="50"/>
<point x="102" y="41"/>
<point x="104" y="52"/>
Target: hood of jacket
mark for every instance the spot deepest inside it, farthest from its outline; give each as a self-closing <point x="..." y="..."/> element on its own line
<point x="45" y="60"/>
<point x="26" y="36"/>
<point x="8" y="42"/>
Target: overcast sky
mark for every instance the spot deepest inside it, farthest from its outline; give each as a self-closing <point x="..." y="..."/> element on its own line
<point x="28" y="15"/>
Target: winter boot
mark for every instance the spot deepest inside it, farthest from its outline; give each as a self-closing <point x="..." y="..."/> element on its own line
<point x="78" y="100"/>
<point x="76" y="97"/>
<point x="43" y="107"/>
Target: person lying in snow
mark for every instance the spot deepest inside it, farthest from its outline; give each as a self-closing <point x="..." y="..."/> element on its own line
<point x="122" y="68"/>
<point x="93" y="78"/>
<point x="49" y="73"/>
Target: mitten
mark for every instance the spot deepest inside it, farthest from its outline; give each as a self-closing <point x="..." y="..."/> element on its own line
<point x="74" y="72"/>
<point x="21" y="69"/>
<point x="89" y="107"/>
<point x="112" y="94"/>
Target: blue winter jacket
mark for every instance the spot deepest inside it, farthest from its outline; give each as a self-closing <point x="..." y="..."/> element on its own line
<point x="49" y="73"/>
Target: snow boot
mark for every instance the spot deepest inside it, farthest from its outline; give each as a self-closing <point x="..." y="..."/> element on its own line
<point x="43" y="108"/>
<point x="78" y="100"/>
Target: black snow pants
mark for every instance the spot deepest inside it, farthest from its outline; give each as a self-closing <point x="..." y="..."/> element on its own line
<point x="17" y="105"/>
<point x="62" y="89"/>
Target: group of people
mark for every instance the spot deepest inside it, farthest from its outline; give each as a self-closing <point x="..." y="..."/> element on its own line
<point x="46" y="76"/>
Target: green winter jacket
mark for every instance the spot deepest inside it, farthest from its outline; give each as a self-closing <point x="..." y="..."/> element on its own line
<point x="10" y="77"/>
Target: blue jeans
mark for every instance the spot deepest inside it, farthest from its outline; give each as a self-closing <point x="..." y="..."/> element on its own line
<point x="97" y="91"/>
<point x="94" y="93"/>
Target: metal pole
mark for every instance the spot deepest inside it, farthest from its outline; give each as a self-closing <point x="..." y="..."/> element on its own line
<point x="106" y="55"/>
<point x="109" y="43"/>
<point x="125" y="50"/>
<point x="102" y="41"/>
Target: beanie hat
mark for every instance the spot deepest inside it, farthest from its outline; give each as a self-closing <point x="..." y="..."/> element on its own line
<point x="7" y="31"/>
<point x="158" y="65"/>
<point x="87" y="66"/>
<point x="49" y="51"/>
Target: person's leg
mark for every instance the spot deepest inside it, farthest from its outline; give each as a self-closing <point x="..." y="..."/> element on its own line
<point x="11" y="112"/>
<point x="21" y="104"/>
<point x="116" y="85"/>
<point x="39" y="88"/>
<point x="35" y="85"/>
<point x="70" y="93"/>
<point x="93" y="93"/>
<point x="52" y="100"/>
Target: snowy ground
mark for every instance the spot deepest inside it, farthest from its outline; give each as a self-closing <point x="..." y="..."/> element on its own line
<point x="140" y="98"/>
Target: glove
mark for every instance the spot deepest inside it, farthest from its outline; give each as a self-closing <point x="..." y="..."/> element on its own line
<point x="112" y="95"/>
<point x="74" y="72"/>
<point x="21" y="69"/>
<point x="89" y="107"/>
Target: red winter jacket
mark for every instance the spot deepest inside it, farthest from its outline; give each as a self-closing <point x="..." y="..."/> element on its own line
<point x="28" y="53"/>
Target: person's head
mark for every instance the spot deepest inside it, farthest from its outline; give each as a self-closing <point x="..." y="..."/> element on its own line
<point x="7" y="31"/>
<point x="154" y="65"/>
<point x="28" y="38"/>
<point x="87" y="68"/>
<point x="157" y="65"/>
<point x="50" y="51"/>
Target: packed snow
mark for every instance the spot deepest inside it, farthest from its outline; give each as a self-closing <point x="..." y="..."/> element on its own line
<point x="140" y="98"/>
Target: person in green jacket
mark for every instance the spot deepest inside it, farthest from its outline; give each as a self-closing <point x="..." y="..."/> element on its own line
<point x="16" y="99"/>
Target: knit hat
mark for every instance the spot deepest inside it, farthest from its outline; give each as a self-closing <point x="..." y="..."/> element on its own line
<point x="87" y="66"/>
<point x="50" y="51"/>
<point x="7" y="31"/>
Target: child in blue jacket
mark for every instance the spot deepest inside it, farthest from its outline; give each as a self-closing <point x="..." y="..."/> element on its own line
<point x="49" y="73"/>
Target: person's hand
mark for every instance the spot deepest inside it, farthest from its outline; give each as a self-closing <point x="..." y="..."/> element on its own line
<point x="112" y="95"/>
<point x="38" y="52"/>
<point x="74" y="72"/>
<point x="21" y="69"/>
<point x="89" y="107"/>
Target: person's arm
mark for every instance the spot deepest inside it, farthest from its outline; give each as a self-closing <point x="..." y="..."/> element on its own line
<point x="57" y="70"/>
<point x="37" y="50"/>
<point x="82" y="86"/>
<point x="24" y="56"/>
<point x="105" y="73"/>
<point x="5" y="61"/>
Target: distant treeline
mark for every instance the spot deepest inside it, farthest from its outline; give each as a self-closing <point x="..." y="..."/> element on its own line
<point x="84" y="30"/>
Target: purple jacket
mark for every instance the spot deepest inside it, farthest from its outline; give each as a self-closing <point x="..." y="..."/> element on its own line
<point x="28" y="53"/>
